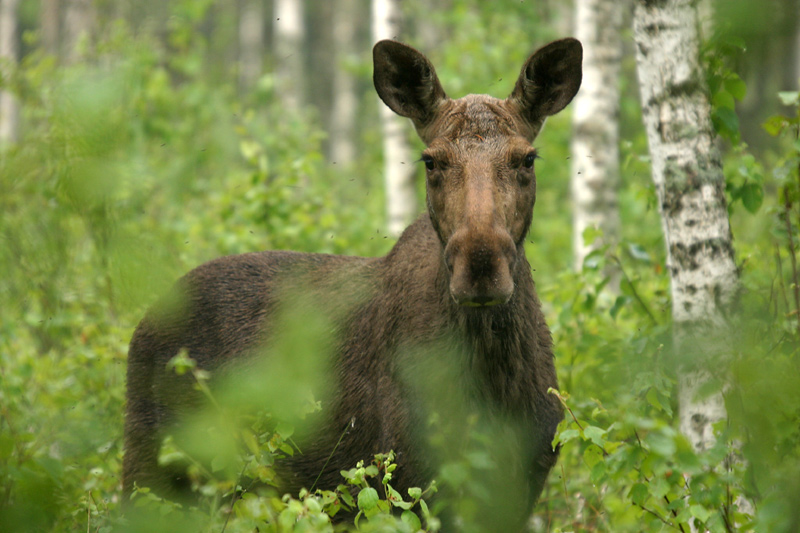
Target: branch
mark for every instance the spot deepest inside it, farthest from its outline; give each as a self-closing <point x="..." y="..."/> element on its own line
<point x="787" y="206"/>
<point x="633" y="290"/>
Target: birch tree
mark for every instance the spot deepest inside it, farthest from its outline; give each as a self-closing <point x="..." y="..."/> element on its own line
<point x="251" y="42"/>
<point x="401" y="205"/>
<point x="289" y="37"/>
<point x="345" y="100"/>
<point x="687" y="173"/>
<point x="595" y="124"/>
<point x="9" y="107"/>
<point x="78" y="22"/>
<point x="49" y="17"/>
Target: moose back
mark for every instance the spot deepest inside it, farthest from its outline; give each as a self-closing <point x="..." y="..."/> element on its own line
<point x="456" y="287"/>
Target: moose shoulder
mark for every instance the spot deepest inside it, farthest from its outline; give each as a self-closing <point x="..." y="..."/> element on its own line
<point x="456" y="287"/>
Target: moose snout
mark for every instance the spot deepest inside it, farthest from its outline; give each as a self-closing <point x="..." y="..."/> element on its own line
<point x="480" y="268"/>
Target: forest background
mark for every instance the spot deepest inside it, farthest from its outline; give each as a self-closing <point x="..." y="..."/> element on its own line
<point x="139" y="139"/>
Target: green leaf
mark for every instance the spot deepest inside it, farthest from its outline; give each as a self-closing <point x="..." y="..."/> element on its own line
<point x="368" y="499"/>
<point x="567" y="435"/>
<point x="652" y="399"/>
<point x="598" y="473"/>
<point x="638" y="252"/>
<point x="6" y="446"/>
<point x="396" y="499"/>
<point x="723" y="99"/>
<point x="411" y="518"/>
<point x="590" y="234"/>
<point x="424" y="506"/>
<point x="726" y="122"/>
<point x="791" y="98"/>
<point x="284" y="430"/>
<point x="219" y="463"/>
<point x="700" y="512"/>
<point x="736" y="87"/>
<point x="752" y="196"/>
<point x="774" y="125"/>
<point x="639" y="493"/>
<point x="596" y="435"/>
<point x="619" y="304"/>
<point x="661" y="443"/>
<point x="592" y="455"/>
<point x="415" y="493"/>
<point x="344" y="493"/>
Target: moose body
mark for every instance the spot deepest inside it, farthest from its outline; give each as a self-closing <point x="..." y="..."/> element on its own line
<point x="457" y="281"/>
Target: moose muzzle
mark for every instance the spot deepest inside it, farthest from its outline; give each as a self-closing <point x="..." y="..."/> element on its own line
<point x="481" y="265"/>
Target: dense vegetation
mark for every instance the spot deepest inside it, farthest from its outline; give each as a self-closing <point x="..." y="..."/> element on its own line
<point x="142" y="160"/>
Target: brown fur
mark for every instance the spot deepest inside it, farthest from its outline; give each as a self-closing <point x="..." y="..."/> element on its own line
<point x="457" y="278"/>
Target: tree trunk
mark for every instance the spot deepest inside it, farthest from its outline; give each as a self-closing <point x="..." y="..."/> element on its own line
<point x="251" y="42"/>
<point x="49" y="16"/>
<point x="289" y="37"/>
<point x="595" y="123"/>
<point x="9" y="107"/>
<point x="687" y="173"/>
<point x="401" y="204"/>
<point x="78" y="23"/>
<point x="345" y="100"/>
<point x="796" y="47"/>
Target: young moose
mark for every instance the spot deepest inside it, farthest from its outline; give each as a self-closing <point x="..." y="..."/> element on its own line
<point x="457" y="281"/>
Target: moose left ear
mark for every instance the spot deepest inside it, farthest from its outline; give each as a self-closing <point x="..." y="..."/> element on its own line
<point x="549" y="80"/>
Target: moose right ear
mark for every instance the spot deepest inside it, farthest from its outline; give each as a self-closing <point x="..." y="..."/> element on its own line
<point x="406" y="82"/>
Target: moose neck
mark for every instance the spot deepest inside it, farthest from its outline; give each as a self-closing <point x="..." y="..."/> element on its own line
<point x="499" y="342"/>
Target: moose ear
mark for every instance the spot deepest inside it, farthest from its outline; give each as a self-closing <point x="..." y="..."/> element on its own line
<point x="549" y="80"/>
<point x="406" y="82"/>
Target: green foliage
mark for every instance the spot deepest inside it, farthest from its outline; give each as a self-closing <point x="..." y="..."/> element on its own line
<point x="140" y="161"/>
<point x="231" y="448"/>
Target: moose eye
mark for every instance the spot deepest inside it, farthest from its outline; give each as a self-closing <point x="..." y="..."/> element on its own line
<point x="529" y="159"/>
<point x="428" y="160"/>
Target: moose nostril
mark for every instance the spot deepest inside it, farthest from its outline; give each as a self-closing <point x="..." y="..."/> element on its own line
<point x="482" y="300"/>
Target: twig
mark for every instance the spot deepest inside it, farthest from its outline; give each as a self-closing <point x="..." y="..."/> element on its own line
<point x="782" y="285"/>
<point x="667" y="522"/>
<point x="567" y="407"/>
<point x="635" y="293"/>
<point x="787" y="205"/>
<point x="666" y="499"/>
<point x="351" y="422"/>
<point x="233" y="498"/>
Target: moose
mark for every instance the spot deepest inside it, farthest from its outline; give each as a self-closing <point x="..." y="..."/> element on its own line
<point x="456" y="281"/>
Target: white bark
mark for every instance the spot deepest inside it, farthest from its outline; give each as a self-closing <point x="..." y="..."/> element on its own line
<point x="705" y="16"/>
<point x="595" y="122"/>
<point x="401" y="205"/>
<point x="345" y="99"/>
<point x="9" y="107"/>
<point x="690" y="185"/>
<point x="48" y="14"/>
<point x="289" y="36"/>
<point x="78" y="22"/>
<point x="251" y="42"/>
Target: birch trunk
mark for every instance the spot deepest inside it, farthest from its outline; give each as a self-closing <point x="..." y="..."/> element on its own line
<point x="401" y="205"/>
<point x="251" y="42"/>
<point x="9" y="107"/>
<point x="595" y="124"/>
<point x="48" y="15"/>
<point x="78" y="22"/>
<point x="289" y="37"/>
<point x="345" y="101"/>
<point x="687" y="173"/>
